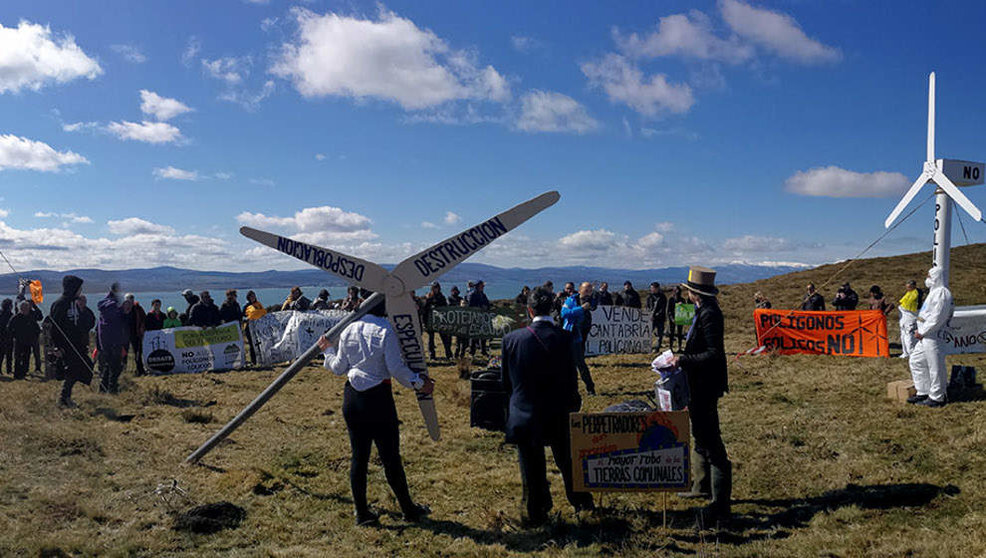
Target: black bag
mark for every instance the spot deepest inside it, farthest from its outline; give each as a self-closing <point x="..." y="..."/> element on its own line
<point x="489" y="401"/>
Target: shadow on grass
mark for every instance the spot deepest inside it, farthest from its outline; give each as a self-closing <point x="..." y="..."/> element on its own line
<point x="610" y="526"/>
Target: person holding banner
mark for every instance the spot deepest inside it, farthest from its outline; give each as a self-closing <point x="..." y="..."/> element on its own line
<point x="369" y="355"/>
<point x="704" y="363"/>
<point x="539" y="375"/>
<point x="928" y="359"/>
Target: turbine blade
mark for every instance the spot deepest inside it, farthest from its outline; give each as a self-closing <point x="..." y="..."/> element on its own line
<point x="931" y="118"/>
<point x="425" y="266"/>
<point x="361" y="273"/>
<point x="403" y="314"/>
<point x="957" y="195"/>
<point x="915" y="188"/>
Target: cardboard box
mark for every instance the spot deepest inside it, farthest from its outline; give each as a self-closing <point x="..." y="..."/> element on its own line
<point x="900" y="390"/>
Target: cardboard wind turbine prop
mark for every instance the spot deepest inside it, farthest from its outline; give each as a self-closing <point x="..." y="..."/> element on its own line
<point x="947" y="175"/>
<point x="396" y="287"/>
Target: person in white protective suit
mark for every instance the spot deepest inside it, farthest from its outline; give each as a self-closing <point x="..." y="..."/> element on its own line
<point x="928" y="359"/>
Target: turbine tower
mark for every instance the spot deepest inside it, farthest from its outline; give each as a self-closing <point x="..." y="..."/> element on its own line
<point x="947" y="175"/>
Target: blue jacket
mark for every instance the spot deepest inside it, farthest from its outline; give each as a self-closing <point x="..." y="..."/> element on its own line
<point x="572" y="315"/>
<point x="113" y="327"/>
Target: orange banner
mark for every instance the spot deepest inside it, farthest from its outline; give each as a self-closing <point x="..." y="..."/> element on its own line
<point x="859" y="333"/>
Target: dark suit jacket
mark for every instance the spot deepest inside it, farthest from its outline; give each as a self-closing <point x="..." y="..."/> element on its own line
<point x="704" y="359"/>
<point x="541" y="379"/>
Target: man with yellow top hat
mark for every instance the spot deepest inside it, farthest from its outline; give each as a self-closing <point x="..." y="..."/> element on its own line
<point x="909" y="306"/>
<point x="704" y="363"/>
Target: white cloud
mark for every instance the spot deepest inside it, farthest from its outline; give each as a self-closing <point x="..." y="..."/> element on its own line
<point x="263" y="182"/>
<point x="192" y="48"/>
<point x="59" y="248"/>
<point x="689" y="35"/>
<point x="76" y="126"/>
<point x="230" y="69"/>
<point x="150" y="132"/>
<point x="69" y="218"/>
<point x="310" y="220"/>
<point x="451" y="218"/>
<point x="130" y="53"/>
<point x="4" y="213"/>
<point x="268" y="23"/>
<point x="777" y="32"/>
<point x="524" y="44"/>
<point x="680" y="132"/>
<point x="428" y="225"/>
<point x="651" y="240"/>
<point x="752" y="243"/>
<point x="625" y="83"/>
<point x="31" y="57"/>
<point x="247" y="99"/>
<point x="836" y="182"/>
<point x="172" y="173"/>
<point x="389" y="58"/>
<point x="593" y="240"/>
<point x="547" y="111"/>
<point x="223" y="175"/>
<point x="319" y="157"/>
<point x="22" y="153"/>
<point x="161" y="108"/>
<point x="135" y="225"/>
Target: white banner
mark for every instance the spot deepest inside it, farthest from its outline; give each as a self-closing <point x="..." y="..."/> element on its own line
<point x="618" y="329"/>
<point x="966" y="332"/>
<point x="194" y="349"/>
<point x="283" y="336"/>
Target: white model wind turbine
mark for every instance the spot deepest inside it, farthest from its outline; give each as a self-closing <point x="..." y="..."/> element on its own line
<point x="947" y="175"/>
<point x="395" y="286"/>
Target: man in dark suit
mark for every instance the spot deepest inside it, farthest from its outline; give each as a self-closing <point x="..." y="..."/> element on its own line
<point x="539" y="373"/>
<point x="704" y="363"/>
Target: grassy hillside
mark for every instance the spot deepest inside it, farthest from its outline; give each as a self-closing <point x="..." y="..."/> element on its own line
<point x="825" y="466"/>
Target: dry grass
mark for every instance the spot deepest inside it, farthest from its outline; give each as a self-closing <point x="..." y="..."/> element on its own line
<point x="824" y="464"/>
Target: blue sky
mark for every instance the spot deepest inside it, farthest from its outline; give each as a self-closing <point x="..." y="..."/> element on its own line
<point x="145" y="134"/>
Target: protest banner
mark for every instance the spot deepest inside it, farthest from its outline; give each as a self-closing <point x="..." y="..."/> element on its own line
<point x="966" y="331"/>
<point x="283" y="336"/>
<point x="859" y="333"/>
<point x="630" y="452"/>
<point x="193" y="349"/>
<point x="618" y="329"/>
<point x="474" y="323"/>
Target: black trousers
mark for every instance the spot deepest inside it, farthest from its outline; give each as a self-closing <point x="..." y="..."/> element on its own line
<point x="578" y="355"/>
<point x="534" y="477"/>
<point x="7" y="354"/>
<point x="446" y="341"/>
<point x="22" y="358"/>
<point x="704" y="415"/>
<point x="676" y="331"/>
<point x="658" y="328"/>
<point x="371" y="418"/>
<point x="110" y="367"/>
<point x="36" y="349"/>
<point x="137" y="345"/>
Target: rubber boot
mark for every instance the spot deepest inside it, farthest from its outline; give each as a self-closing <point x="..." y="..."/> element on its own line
<point x="722" y="492"/>
<point x="700" y="478"/>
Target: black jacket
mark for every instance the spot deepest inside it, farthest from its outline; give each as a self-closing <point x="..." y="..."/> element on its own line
<point x="604" y="298"/>
<point x="4" y="320"/>
<point x="813" y="303"/>
<point x="657" y="304"/>
<point x="192" y="300"/>
<point x="204" y="315"/>
<point x="24" y="329"/>
<point x="704" y="359"/>
<point x="539" y="374"/>
<point x="154" y="320"/>
<point x="631" y="299"/>
<point x="71" y="333"/>
<point x="848" y="301"/>
<point x="230" y="311"/>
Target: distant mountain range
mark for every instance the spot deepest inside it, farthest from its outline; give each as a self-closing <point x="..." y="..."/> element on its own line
<point x="171" y="278"/>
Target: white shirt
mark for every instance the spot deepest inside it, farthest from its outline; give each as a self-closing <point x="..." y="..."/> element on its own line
<point x="369" y="352"/>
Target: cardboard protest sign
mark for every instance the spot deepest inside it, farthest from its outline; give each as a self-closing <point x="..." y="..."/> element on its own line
<point x="463" y="321"/>
<point x="630" y="452"/>
<point x="618" y="329"/>
<point x="192" y="349"/>
<point x="859" y="333"/>
<point x="966" y="331"/>
<point x="283" y="336"/>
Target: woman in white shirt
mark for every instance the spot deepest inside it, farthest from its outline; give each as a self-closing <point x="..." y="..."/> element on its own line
<point x="369" y="354"/>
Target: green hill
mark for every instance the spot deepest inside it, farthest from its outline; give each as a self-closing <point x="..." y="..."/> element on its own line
<point x="824" y="464"/>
